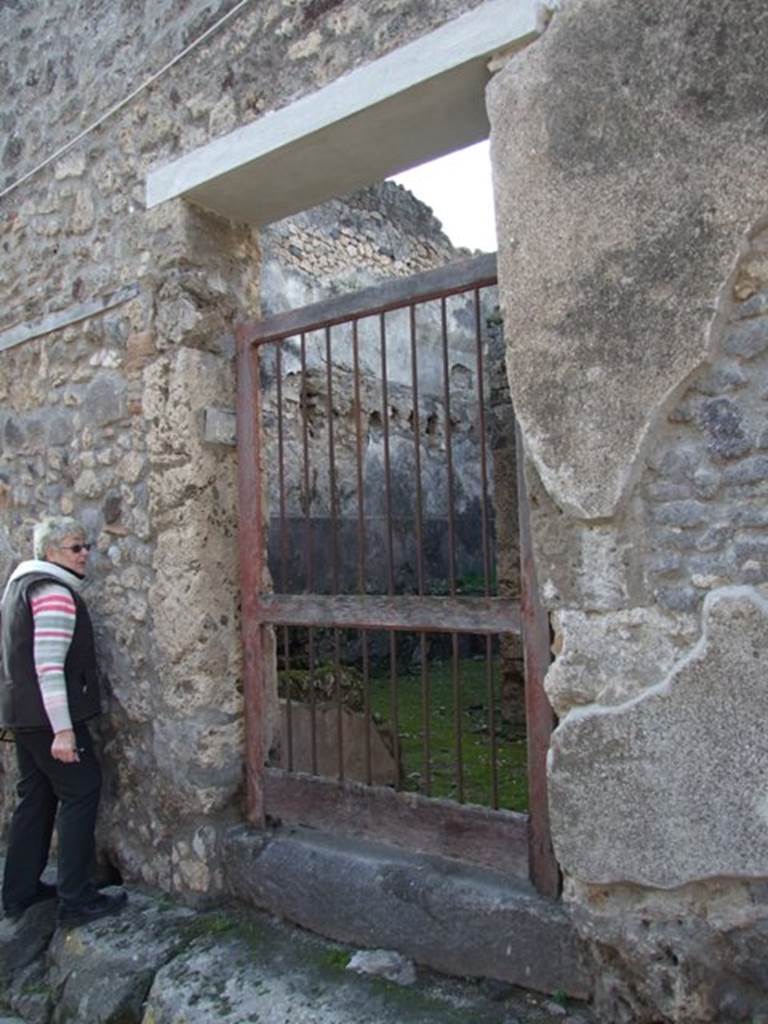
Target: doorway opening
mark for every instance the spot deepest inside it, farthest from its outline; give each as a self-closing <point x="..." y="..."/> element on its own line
<point x="388" y="485"/>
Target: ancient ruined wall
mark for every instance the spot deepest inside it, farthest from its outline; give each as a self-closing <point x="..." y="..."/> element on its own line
<point x="347" y="244"/>
<point x="634" y="272"/>
<point x="102" y="412"/>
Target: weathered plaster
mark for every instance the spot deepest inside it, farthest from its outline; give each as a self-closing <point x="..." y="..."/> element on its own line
<point x="624" y="147"/>
<point x="670" y="787"/>
<point x="611" y="658"/>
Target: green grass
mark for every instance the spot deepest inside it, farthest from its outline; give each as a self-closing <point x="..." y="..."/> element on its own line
<point x="475" y="737"/>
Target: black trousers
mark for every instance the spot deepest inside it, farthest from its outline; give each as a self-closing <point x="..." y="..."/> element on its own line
<point x="45" y="786"/>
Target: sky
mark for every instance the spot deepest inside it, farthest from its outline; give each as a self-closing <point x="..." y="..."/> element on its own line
<point x="458" y="188"/>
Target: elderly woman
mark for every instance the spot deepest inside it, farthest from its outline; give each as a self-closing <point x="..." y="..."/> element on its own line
<point x="49" y="688"/>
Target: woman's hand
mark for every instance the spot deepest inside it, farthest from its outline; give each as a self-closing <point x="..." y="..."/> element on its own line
<point x="64" y="747"/>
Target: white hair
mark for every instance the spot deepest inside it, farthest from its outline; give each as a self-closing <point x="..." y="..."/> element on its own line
<point x="53" y="529"/>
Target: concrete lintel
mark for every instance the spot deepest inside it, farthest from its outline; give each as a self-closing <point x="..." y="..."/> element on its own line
<point x="421" y="101"/>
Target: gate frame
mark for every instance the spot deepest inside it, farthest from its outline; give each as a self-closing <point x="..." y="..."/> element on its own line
<point x="261" y="782"/>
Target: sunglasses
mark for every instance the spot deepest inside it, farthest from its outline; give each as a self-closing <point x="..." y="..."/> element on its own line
<point x="75" y="548"/>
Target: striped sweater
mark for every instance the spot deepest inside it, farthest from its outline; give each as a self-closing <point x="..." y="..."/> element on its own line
<point x="53" y="614"/>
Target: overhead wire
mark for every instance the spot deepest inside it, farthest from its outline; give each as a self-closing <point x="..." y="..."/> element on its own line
<point x="123" y="102"/>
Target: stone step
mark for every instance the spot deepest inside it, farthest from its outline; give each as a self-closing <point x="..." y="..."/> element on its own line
<point x="454" y="918"/>
<point x="159" y="962"/>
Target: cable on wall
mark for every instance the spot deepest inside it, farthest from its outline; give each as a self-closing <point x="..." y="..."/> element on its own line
<point x="125" y="101"/>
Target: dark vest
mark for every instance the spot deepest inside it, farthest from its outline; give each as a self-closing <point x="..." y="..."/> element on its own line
<point x="21" y="704"/>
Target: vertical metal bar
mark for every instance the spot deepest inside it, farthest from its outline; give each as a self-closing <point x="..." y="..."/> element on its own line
<point x="251" y="558"/>
<point x="448" y="450"/>
<point x="491" y="697"/>
<point x="455" y="673"/>
<point x="331" y="462"/>
<point x="419" y="534"/>
<point x="367" y="705"/>
<point x="281" y="468"/>
<point x="540" y="718"/>
<point x="390" y="541"/>
<point x="312" y="699"/>
<point x="361" y="545"/>
<point x="418" y="520"/>
<point x="457" y="719"/>
<point x="334" y="524"/>
<point x="485" y="534"/>
<point x="483" y="447"/>
<point x="310" y="576"/>
<point x="283" y="546"/>
<point x="303" y="405"/>
<point x="387" y="475"/>
<point x="426" y="711"/>
<point x="288" y="697"/>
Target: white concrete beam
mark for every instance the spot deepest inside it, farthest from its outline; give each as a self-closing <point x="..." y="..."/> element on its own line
<point x="419" y="102"/>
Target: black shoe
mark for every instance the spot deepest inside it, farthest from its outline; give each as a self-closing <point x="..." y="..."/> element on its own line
<point x="44" y="892"/>
<point x="100" y="906"/>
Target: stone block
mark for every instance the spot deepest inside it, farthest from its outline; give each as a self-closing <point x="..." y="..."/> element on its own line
<point x="706" y="482"/>
<point x="715" y="538"/>
<point x="139" y="351"/>
<point x="678" y="599"/>
<point x="751" y="470"/>
<point x="23" y="941"/>
<point x="104" y="400"/>
<point x="458" y="920"/>
<point x="721" y="419"/>
<point x="678" y="463"/>
<point x="383" y="963"/>
<point x="665" y="563"/>
<point x="755" y="305"/>
<point x="219" y="426"/>
<point x="325" y="723"/>
<point x="678" y="539"/>
<point x="70" y="166"/>
<point x="101" y="974"/>
<point x="681" y="513"/>
<point x="747" y="339"/>
<point x="751" y="547"/>
<point x="721" y="378"/>
<point x="668" y="490"/>
<point x="753" y="514"/>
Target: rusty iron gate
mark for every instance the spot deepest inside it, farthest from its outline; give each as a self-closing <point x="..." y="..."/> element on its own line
<point x="367" y="534"/>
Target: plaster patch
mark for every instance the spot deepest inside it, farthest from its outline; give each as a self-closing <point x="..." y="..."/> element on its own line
<point x="660" y="790"/>
<point x="604" y="226"/>
<point x="606" y="658"/>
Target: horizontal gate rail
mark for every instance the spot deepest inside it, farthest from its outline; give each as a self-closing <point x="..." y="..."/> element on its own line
<point x="477" y="272"/>
<point x="491" y="839"/>
<point x="409" y="613"/>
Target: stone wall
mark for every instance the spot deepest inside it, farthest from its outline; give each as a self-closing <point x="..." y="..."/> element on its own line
<point x="311" y="498"/>
<point x="627" y="148"/>
<point x="103" y="419"/>
<point x="129" y="316"/>
<point x="344" y="246"/>
<point x="634" y="275"/>
<point x="347" y="244"/>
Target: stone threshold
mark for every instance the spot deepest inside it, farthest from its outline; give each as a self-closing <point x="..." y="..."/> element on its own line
<point x="446" y="915"/>
<point x="160" y="962"/>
